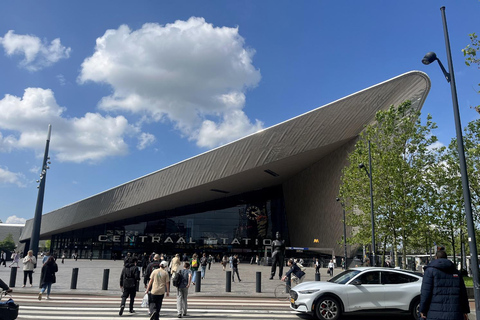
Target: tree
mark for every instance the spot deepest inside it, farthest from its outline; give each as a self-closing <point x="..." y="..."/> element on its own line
<point x="7" y="244"/>
<point x="470" y="54"/>
<point x="401" y="151"/>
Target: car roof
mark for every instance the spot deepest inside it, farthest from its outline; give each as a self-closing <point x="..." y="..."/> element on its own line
<point x="418" y="274"/>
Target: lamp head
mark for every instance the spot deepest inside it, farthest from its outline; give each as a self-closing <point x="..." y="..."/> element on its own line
<point x="361" y="166"/>
<point x="429" y="58"/>
<point x="338" y="199"/>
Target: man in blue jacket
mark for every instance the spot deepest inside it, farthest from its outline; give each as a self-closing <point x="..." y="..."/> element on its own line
<point x="443" y="294"/>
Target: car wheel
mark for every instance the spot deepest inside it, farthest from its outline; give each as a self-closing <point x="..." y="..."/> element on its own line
<point x="415" y="308"/>
<point x="328" y="308"/>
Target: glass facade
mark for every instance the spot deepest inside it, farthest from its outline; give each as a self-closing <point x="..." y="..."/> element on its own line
<point x="243" y="224"/>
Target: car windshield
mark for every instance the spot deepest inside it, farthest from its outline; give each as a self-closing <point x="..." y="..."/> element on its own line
<point x="344" y="277"/>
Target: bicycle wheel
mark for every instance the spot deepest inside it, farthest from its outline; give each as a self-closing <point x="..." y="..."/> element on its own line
<point x="282" y="292"/>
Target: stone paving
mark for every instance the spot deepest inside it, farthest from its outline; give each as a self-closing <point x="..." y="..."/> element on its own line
<point x="90" y="279"/>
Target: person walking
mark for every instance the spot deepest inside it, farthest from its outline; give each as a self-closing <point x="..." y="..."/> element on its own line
<point x="158" y="287"/>
<point x="331" y="266"/>
<point x="3" y="258"/>
<point x="224" y="262"/>
<point x="63" y="257"/>
<point x="443" y="293"/>
<point x="209" y="261"/>
<point x="47" y="277"/>
<point x="203" y="264"/>
<point x="155" y="264"/>
<point x="194" y="265"/>
<point x="29" y="263"/>
<point x="235" y="268"/>
<point x="128" y="284"/>
<point x="15" y="259"/>
<point x="174" y="264"/>
<point x="182" y="290"/>
<point x="317" y="266"/>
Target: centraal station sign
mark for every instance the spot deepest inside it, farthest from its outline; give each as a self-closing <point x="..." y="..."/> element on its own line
<point x="181" y="240"/>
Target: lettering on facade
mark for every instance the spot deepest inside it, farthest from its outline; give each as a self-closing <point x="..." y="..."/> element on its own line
<point x="180" y="240"/>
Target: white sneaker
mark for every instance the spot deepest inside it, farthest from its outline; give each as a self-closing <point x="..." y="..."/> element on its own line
<point x="48" y="298"/>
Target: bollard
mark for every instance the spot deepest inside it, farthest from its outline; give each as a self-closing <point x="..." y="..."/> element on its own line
<point x="259" y="282"/>
<point x="198" y="281"/>
<point x="228" y="286"/>
<point x="106" y="274"/>
<point x="13" y="277"/>
<point x="73" y="284"/>
<point x="317" y="276"/>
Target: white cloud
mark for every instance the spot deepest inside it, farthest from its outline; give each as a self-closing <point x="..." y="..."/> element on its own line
<point x="89" y="138"/>
<point x="15" y="220"/>
<point x="37" y="54"/>
<point x="145" y="140"/>
<point x="188" y="72"/>
<point x="8" y="177"/>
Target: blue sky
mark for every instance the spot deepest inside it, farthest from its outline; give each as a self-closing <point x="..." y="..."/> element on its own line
<point x="131" y="87"/>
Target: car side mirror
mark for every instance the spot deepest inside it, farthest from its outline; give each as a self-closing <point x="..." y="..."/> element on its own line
<point x="356" y="282"/>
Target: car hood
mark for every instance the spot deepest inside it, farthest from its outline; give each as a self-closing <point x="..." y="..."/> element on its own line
<point x="311" y="285"/>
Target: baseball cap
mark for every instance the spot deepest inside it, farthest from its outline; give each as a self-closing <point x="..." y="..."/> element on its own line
<point x="164" y="263"/>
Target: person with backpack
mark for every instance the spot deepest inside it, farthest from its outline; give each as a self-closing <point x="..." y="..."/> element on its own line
<point x="47" y="277"/>
<point x="155" y="264"/>
<point x="128" y="283"/>
<point x="203" y="264"/>
<point x="194" y="265"/>
<point x="182" y="282"/>
<point x="158" y="287"/>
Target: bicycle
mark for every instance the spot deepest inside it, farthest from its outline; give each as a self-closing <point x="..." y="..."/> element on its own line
<point x="282" y="290"/>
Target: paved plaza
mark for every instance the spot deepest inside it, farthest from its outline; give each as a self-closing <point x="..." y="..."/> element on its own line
<point x="90" y="279"/>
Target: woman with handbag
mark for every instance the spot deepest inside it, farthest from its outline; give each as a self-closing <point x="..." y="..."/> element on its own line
<point x="48" y="276"/>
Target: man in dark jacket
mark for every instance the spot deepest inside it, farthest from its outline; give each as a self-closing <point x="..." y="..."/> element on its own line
<point x="128" y="283"/>
<point x="443" y="294"/>
<point x="155" y="264"/>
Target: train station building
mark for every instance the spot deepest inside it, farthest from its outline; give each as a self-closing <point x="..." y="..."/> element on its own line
<point x="233" y="199"/>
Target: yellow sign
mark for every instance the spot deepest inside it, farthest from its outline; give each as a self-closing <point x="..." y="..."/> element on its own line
<point x="315" y="241"/>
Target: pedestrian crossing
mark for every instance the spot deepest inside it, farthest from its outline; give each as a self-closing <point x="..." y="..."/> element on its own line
<point x="84" y="307"/>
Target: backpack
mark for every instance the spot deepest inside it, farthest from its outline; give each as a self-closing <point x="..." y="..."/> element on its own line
<point x="178" y="279"/>
<point x="203" y="261"/>
<point x="194" y="263"/>
<point x="129" y="280"/>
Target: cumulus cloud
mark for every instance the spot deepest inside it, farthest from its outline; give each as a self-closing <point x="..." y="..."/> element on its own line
<point x="145" y="140"/>
<point x="8" y="177"/>
<point x="37" y="54"/>
<point x="92" y="137"/>
<point x="15" y="220"/>
<point x="189" y="72"/>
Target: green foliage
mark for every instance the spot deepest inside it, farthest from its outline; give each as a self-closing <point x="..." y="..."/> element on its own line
<point x="470" y="54"/>
<point x="402" y="152"/>
<point x="7" y="244"/>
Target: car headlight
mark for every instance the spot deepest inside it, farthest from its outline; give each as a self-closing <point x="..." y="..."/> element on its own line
<point x="309" y="291"/>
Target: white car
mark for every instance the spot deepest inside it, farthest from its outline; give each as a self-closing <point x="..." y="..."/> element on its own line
<point x="359" y="289"/>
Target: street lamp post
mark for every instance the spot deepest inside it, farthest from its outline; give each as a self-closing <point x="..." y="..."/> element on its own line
<point x="369" y="174"/>
<point x="37" y="219"/>
<point x="344" y="235"/>
<point x="429" y="58"/>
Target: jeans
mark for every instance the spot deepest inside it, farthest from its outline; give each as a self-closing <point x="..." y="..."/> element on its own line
<point x="194" y="275"/>
<point x="47" y="286"/>
<point x="182" y="294"/>
<point x="25" y="274"/>
<point x="203" y="271"/>
<point x="129" y="292"/>
<point x="157" y="301"/>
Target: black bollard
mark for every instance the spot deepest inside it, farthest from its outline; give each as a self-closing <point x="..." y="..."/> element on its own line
<point x="228" y="286"/>
<point x="13" y="277"/>
<point x="198" y="281"/>
<point x="106" y="274"/>
<point x="73" y="284"/>
<point x="317" y="276"/>
<point x="259" y="282"/>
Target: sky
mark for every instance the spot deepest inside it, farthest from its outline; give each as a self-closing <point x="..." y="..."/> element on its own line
<point x="131" y="87"/>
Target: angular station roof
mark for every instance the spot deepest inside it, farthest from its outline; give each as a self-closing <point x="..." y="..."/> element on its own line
<point x="263" y="159"/>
